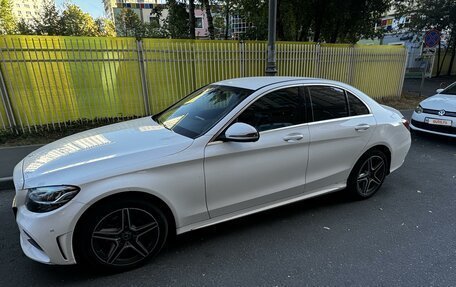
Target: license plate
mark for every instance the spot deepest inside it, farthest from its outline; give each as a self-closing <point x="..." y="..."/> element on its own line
<point x="438" y="122"/>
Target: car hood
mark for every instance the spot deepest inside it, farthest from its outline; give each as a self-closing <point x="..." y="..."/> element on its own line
<point x="439" y="102"/>
<point x="85" y="155"/>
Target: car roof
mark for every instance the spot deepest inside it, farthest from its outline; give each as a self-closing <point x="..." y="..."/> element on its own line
<point x="255" y="83"/>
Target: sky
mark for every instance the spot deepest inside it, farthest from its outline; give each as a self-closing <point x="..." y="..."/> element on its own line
<point x="93" y="7"/>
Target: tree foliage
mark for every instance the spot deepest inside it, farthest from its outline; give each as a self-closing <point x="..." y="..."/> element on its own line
<point x="49" y="21"/>
<point x="432" y="14"/>
<point x="8" y="22"/>
<point x="105" y="27"/>
<point x="74" y="22"/>
<point x="129" y="24"/>
<point x="325" y="20"/>
<point x="210" y="20"/>
<point x="177" y="22"/>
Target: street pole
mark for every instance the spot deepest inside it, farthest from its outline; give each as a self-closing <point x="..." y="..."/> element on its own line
<point x="271" y="69"/>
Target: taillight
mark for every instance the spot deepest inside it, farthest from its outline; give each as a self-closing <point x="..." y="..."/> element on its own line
<point x="406" y="123"/>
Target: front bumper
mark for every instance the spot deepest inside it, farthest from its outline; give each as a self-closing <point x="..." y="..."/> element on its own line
<point x="418" y="124"/>
<point x="47" y="237"/>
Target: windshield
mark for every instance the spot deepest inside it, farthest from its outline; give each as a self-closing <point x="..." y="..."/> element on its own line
<point x="451" y="90"/>
<point x="195" y="114"/>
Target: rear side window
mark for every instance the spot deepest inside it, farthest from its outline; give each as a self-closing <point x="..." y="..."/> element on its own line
<point x="275" y="110"/>
<point x="328" y="103"/>
<point x="356" y="106"/>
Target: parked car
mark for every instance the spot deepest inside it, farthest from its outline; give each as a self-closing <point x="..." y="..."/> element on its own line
<point x="112" y="196"/>
<point x="437" y="114"/>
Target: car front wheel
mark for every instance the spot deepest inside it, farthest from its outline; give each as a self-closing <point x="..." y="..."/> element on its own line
<point x="120" y="235"/>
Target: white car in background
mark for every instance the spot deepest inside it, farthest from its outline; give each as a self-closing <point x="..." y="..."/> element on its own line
<point x="437" y="114"/>
<point x="110" y="197"/>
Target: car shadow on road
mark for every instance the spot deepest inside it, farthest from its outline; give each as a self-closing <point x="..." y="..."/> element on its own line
<point x="301" y="210"/>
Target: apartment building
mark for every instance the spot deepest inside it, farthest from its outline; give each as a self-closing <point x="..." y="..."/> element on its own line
<point x="27" y="9"/>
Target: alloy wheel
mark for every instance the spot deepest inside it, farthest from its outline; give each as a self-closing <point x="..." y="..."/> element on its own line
<point x="371" y="175"/>
<point x="125" y="236"/>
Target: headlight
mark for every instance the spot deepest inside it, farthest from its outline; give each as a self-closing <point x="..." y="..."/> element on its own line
<point x="418" y="109"/>
<point x="47" y="198"/>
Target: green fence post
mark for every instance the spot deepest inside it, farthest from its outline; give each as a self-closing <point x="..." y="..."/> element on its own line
<point x="242" y="58"/>
<point x="351" y="74"/>
<point x="142" y="71"/>
<point x="6" y="102"/>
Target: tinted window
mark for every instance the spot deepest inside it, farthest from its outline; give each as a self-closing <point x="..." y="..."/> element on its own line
<point x="451" y="90"/>
<point x="356" y="106"/>
<point x="201" y="110"/>
<point x="278" y="109"/>
<point x="328" y="103"/>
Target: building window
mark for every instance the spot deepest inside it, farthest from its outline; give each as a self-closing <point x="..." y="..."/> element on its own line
<point x="199" y="22"/>
<point x="26" y="5"/>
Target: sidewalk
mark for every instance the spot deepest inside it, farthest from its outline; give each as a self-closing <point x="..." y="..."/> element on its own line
<point x="412" y="86"/>
<point x="10" y="156"/>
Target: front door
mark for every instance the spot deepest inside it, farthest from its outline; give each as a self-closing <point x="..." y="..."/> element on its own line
<point x="240" y="176"/>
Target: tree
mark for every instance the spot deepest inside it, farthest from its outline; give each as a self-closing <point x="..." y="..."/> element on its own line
<point x="75" y="22"/>
<point x="432" y="14"/>
<point x="227" y="10"/>
<point x="326" y="20"/>
<point x="210" y="20"/>
<point x="105" y="27"/>
<point x="49" y="21"/>
<point x="219" y="27"/>
<point x="191" y="18"/>
<point x="24" y="28"/>
<point x="153" y="29"/>
<point x="177" y="21"/>
<point x="128" y="24"/>
<point x="255" y="13"/>
<point x="8" y="22"/>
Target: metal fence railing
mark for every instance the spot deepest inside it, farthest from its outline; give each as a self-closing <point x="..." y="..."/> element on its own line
<point x="52" y="81"/>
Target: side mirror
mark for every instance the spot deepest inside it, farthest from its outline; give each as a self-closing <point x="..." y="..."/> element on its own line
<point x="438" y="91"/>
<point x="241" y="132"/>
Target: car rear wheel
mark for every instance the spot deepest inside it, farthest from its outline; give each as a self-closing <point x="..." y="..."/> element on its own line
<point x="368" y="174"/>
<point x="120" y="235"/>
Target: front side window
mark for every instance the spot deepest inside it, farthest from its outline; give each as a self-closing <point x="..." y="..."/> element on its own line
<point x="328" y="103"/>
<point x="195" y="114"/>
<point x="277" y="109"/>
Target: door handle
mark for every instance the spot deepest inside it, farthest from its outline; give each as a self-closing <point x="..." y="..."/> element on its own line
<point x="362" y="127"/>
<point x="293" y="137"/>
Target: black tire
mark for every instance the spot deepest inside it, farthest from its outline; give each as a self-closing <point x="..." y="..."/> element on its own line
<point x="120" y="235"/>
<point x="368" y="174"/>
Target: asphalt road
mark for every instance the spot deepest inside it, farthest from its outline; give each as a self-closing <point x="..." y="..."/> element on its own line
<point x="404" y="236"/>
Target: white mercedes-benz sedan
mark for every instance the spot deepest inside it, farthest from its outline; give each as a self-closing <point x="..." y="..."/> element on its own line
<point x="111" y="197"/>
<point x="437" y="114"/>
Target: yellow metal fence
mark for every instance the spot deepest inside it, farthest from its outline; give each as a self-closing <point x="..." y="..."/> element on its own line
<point x="51" y="81"/>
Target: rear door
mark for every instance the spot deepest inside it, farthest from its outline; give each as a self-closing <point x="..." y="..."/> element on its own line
<point x="340" y="129"/>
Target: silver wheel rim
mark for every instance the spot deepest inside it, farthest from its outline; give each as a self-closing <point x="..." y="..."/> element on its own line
<point x="371" y="175"/>
<point x="125" y="236"/>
